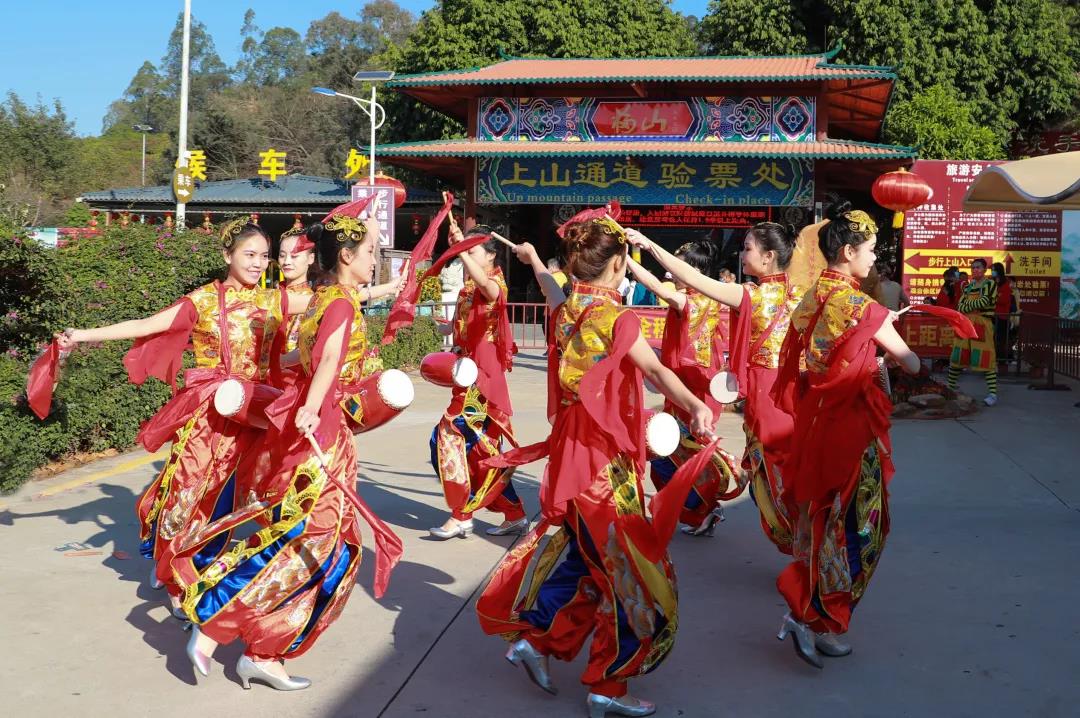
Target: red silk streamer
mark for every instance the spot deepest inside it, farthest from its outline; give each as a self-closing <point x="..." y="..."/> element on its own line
<point x="961" y="324"/>
<point x="41" y="380"/>
<point x="668" y="502"/>
<point x="351" y="209"/>
<point x="403" y="312"/>
<point x="612" y="209"/>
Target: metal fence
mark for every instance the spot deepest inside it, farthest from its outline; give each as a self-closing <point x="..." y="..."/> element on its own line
<point x="1052" y="343"/>
<point x="527" y="320"/>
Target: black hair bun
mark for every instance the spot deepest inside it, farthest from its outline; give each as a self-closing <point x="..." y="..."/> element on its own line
<point x="838" y="209"/>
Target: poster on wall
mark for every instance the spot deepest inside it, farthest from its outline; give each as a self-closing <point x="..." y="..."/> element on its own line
<point x="1070" y="265"/>
<point x="382" y="206"/>
<point x="940" y="234"/>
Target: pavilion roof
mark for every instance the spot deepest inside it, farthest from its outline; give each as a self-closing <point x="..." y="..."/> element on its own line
<point x="859" y="94"/>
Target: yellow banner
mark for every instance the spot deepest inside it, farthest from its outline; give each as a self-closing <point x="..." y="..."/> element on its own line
<point x="1018" y="263"/>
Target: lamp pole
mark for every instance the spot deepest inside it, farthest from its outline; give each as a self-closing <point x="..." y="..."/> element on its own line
<point x="184" y="87"/>
<point x="143" y="129"/>
<point x="376" y="114"/>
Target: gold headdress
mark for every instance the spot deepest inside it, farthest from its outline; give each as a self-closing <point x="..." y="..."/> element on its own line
<point x="346" y="228"/>
<point x="232" y="230"/>
<point x="861" y="222"/>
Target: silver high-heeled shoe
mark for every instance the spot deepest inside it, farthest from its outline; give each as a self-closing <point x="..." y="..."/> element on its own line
<point x="462" y="529"/>
<point x="155" y="584"/>
<point x="249" y="671"/>
<point x="199" y="662"/>
<point x="830" y="645"/>
<point x="803" y="638"/>
<point x="600" y="706"/>
<point x="708" y="526"/>
<point x="520" y="526"/>
<point x="535" y="663"/>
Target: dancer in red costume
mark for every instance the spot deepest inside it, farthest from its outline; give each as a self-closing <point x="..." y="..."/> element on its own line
<point x="605" y="571"/>
<point x="233" y="327"/>
<point x="281" y="588"/>
<point x="840" y="464"/>
<point x="692" y="348"/>
<point x="761" y="322"/>
<point x="477" y="421"/>
<point x="296" y="258"/>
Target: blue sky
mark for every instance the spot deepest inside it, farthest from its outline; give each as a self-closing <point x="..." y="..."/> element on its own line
<point x="85" y="53"/>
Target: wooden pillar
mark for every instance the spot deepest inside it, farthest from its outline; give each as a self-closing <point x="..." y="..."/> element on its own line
<point x="471" y="175"/>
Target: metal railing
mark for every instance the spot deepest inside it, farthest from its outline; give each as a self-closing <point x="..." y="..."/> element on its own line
<point x="1052" y="343"/>
<point x="527" y="320"/>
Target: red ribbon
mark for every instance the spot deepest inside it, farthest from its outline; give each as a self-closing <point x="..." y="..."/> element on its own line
<point x="961" y="324"/>
<point x="403" y="311"/>
<point x="41" y="380"/>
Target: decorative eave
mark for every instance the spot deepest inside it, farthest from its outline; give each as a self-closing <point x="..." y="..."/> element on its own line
<point x="452" y="159"/>
<point x="859" y="94"/>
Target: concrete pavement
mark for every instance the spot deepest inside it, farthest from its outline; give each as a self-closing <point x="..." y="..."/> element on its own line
<point x="972" y="612"/>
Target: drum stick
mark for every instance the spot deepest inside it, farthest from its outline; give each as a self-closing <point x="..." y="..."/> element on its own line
<point x="349" y="492"/>
<point x="904" y="309"/>
<point x="504" y="240"/>
<point x="450" y="214"/>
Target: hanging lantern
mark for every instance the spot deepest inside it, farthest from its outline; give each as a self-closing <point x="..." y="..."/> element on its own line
<point x="900" y="191"/>
<point x="399" y="189"/>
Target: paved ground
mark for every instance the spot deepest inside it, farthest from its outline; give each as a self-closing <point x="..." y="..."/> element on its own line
<point x="972" y="612"/>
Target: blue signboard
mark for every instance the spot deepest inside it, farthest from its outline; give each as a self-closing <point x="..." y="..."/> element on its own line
<point x="705" y="181"/>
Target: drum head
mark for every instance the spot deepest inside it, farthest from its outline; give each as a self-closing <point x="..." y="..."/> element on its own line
<point x="229" y="397"/>
<point x="724" y="387"/>
<point x="396" y="389"/>
<point x="662" y="434"/>
<point x="465" y="372"/>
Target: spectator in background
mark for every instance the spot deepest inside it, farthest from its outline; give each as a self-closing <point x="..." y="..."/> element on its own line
<point x="727" y="276"/>
<point x="963" y="279"/>
<point x="890" y="293"/>
<point x="554" y="265"/>
<point x="1007" y="304"/>
<point x="949" y="294"/>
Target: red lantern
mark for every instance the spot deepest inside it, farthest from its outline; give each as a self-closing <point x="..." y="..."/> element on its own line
<point x="399" y="189"/>
<point x="900" y="191"/>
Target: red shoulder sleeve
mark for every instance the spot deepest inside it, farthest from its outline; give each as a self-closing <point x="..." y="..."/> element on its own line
<point x="160" y="355"/>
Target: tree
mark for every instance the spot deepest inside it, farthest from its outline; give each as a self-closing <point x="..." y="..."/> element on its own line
<point x="468" y="33"/>
<point x="207" y="73"/>
<point x="942" y="125"/>
<point x="753" y="27"/>
<point x="1015" y="64"/>
<point x="271" y="57"/>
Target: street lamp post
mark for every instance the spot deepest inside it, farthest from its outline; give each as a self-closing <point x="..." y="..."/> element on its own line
<point x="375" y="113"/>
<point x="371" y="108"/>
<point x="143" y="129"/>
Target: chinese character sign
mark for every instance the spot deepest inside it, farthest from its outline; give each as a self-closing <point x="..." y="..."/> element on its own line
<point x="196" y="164"/>
<point x="729" y="118"/>
<point x="697" y="181"/>
<point x="940" y="235"/>
<point x="273" y="164"/>
<point x="355" y="163"/>
<point x="383" y="209"/>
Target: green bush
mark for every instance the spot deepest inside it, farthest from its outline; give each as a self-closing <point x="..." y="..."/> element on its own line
<point x="125" y="273"/>
<point x="410" y="345"/>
